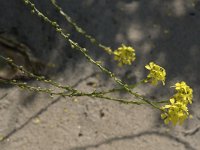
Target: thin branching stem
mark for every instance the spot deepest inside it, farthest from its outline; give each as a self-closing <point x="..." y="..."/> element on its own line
<point x="79" y="29"/>
<point x="85" y="53"/>
<point x="39" y="78"/>
<point x="71" y="90"/>
<point x="51" y="92"/>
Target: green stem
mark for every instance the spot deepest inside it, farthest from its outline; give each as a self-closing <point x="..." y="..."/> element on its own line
<point x="79" y="29"/>
<point x="84" y="51"/>
<point x="39" y="78"/>
<point x="122" y="88"/>
<point x="55" y="84"/>
<point x="74" y="93"/>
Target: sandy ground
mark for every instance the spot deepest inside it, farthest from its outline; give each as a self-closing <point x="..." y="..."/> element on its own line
<point x="167" y="32"/>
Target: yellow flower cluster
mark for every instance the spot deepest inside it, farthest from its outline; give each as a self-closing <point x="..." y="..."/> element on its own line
<point x="177" y="110"/>
<point x="124" y="55"/>
<point x="184" y="92"/>
<point x="156" y="74"/>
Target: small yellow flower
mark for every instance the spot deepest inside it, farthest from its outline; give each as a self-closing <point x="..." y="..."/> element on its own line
<point x="156" y="74"/>
<point x="184" y="92"/>
<point x="177" y="110"/>
<point x="124" y="55"/>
